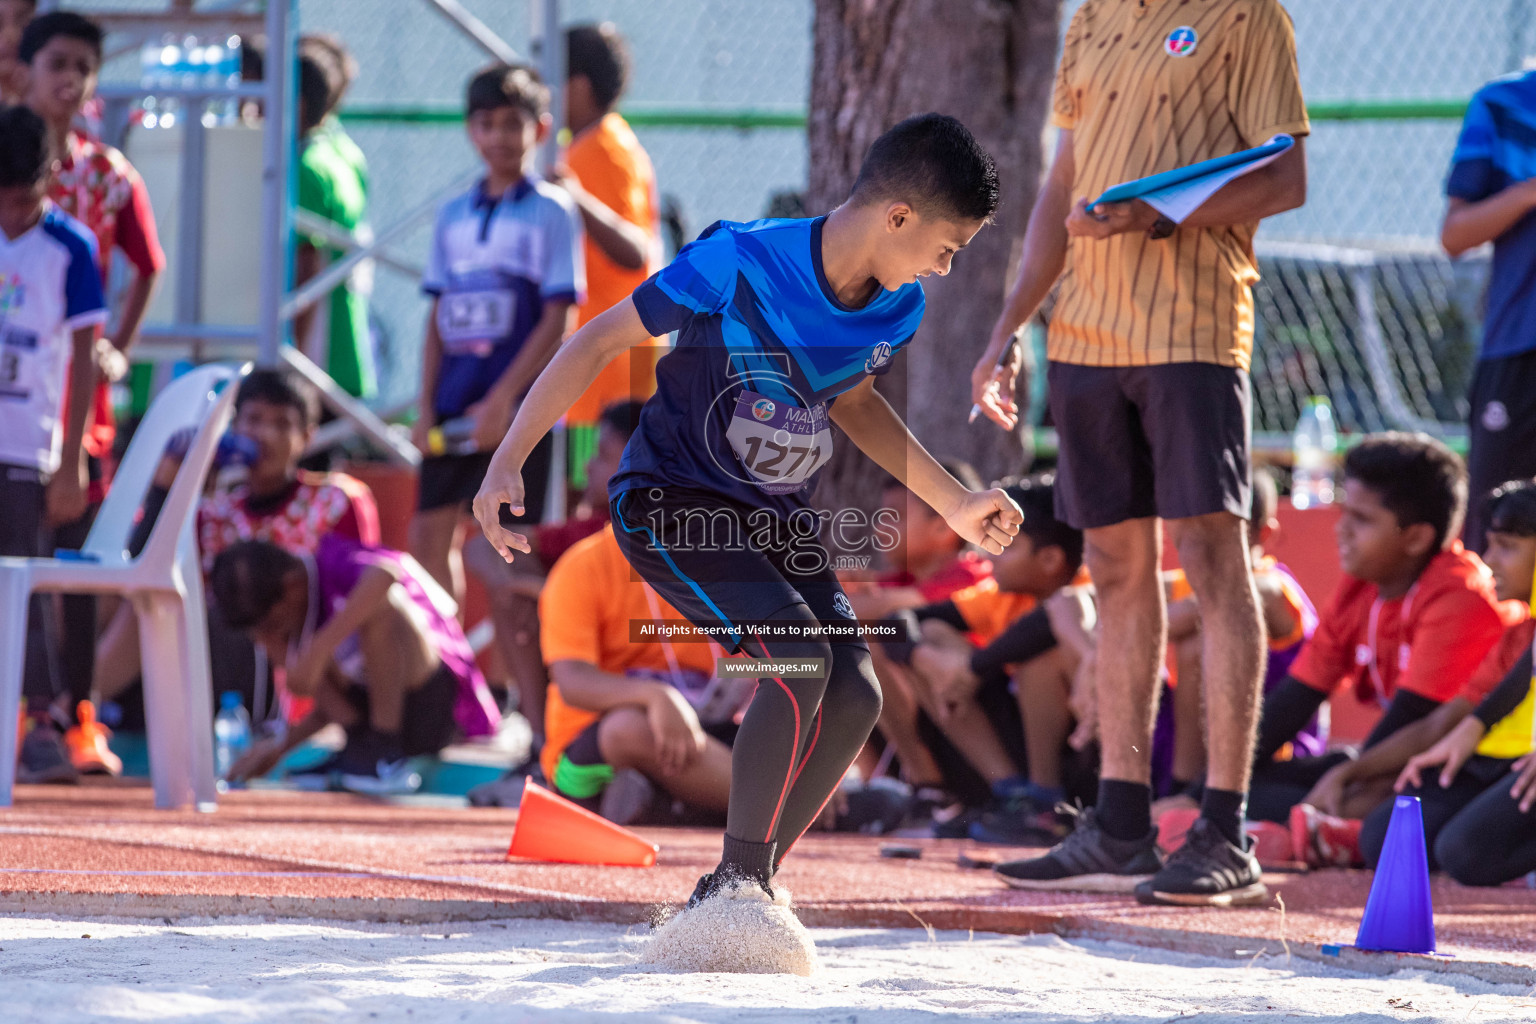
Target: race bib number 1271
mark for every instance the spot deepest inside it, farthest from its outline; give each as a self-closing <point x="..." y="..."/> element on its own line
<point x="780" y="445"/>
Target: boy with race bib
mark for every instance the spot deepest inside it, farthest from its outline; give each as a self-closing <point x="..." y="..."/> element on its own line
<point x="781" y="326"/>
<point x="505" y="273"/>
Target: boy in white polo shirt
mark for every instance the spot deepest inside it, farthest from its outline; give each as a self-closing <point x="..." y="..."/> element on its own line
<point x="504" y="273"/>
<point x="51" y="309"/>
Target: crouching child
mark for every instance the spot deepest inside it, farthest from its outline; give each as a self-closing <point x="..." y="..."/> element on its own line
<point x="368" y="634"/>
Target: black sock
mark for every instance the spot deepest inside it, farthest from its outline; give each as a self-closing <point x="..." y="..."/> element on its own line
<point x="1224" y="809"/>
<point x="1124" y="809"/>
<point x="747" y="860"/>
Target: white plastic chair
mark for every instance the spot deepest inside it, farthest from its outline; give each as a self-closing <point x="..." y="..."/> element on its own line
<point x="164" y="585"/>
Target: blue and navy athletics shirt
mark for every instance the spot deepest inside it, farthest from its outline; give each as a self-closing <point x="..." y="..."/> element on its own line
<point x="495" y="261"/>
<point x="763" y="346"/>
<point x="1497" y="148"/>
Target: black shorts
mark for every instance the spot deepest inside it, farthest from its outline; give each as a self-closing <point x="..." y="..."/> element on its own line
<point x="722" y="564"/>
<point x="24" y="534"/>
<point x="428" y="724"/>
<point x="1140" y="441"/>
<point x="455" y="480"/>
<point x="1501" y="432"/>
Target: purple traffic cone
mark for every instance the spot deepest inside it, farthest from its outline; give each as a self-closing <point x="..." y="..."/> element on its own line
<point x="1399" y="916"/>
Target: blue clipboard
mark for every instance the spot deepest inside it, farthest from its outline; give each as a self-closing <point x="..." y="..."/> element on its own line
<point x="1126" y="191"/>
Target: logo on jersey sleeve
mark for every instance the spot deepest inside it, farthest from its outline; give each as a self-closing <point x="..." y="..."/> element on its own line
<point x="842" y="604"/>
<point x="1181" y="42"/>
<point x="878" y="358"/>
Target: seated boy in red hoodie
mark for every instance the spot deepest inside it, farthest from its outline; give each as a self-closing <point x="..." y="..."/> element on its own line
<point x="1408" y="628"/>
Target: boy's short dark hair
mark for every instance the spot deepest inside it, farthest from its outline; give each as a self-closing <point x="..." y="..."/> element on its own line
<point x="247" y="580"/>
<point x="44" y="28"/>
<point x="332" y="55"/>
<point x="281" y="387"/>
<point x="1266" y="500"/>
<point x="24" y="152"/>
<point x="1416" y="477"/>
<point x="507" y="85"/>
<point x="622" y="418"/>
<point x="1036" y="497"/>
<point x="598" y="54"/>
<point x="318" y="84"/>
<point x="933" y="162"/>
<point x="1512" y="508"/>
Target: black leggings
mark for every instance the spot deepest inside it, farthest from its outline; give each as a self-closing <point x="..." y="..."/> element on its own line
<point x="799" y="736"/>
<point x="1474" y="829"/>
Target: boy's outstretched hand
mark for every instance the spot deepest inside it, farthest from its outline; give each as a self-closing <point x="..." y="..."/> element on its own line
<point x="989" y="519"/>
<point x="501" y="486"/>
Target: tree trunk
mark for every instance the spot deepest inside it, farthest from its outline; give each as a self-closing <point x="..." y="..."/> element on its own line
<point x="991" y="64"/>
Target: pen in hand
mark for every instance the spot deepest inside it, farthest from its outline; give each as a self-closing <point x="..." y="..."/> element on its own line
<point x="1002" y="360"/>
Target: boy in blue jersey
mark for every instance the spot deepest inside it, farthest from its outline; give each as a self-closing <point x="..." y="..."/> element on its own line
<point x="781" y="326"/>
<point x="1492" y="198"/>
<point x="505" y="273"/>
<point x="51" y="309"/>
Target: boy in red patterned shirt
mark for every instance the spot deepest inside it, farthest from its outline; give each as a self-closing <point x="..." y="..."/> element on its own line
<point x="97" y="186"/>
<point x="277" y="410"/>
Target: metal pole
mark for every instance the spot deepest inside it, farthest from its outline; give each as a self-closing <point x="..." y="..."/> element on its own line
<point x="476" y="30"/>
<point x="189" y="229"/>
<point x="549" y="52"/>
<point x="274" y="180"/>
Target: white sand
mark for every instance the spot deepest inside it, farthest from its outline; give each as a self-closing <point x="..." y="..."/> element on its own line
<point x="233" y="970"/>
<point x="738" y="930"/>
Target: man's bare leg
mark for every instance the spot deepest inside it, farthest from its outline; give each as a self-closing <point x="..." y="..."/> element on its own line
<point x="1214" y="551"/>
<point x="1123" y="560"/>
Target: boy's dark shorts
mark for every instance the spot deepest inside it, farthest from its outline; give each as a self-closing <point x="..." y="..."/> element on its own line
<point x="1140" y="441"/>
<point x="455" y="480"/>
<point x="680" y="542"/>
<point x="1502" y="432"/>
<point x="428" y="724"/>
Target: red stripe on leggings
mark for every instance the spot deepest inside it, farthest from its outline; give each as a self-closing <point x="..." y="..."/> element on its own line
<point x="794" y="747"/>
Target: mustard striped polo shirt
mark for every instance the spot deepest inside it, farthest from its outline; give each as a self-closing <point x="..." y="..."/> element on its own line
<point x="1146" y="86"/>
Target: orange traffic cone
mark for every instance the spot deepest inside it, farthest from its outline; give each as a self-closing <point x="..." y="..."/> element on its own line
<point x="551" y="828"/>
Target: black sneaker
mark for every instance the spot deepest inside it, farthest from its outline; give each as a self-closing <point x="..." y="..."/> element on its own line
<point x="1087" y="861"/>
<point x="1021" y="821"/>
<point x="44" y="757"/>
<point x="717" y="880"/>
<point x="1207" y="871"/>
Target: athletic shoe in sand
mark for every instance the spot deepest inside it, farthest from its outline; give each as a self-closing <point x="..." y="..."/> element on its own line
<point x="1087" y="860"/>
<point x="1207" y="871"/>
<point x="718" y="880"/>
<point x="87" y="743"/>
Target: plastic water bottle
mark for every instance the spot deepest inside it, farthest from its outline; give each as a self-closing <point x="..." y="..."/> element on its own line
<point x="231" y="733"/>
<point x="1314" y="445"/>
<point x="167" y="68"/>
<point x="149" y="78"/>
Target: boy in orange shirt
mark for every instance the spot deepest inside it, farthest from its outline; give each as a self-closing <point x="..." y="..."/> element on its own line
<point x="617" y="701"/>
<point x="610" y="176"/>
